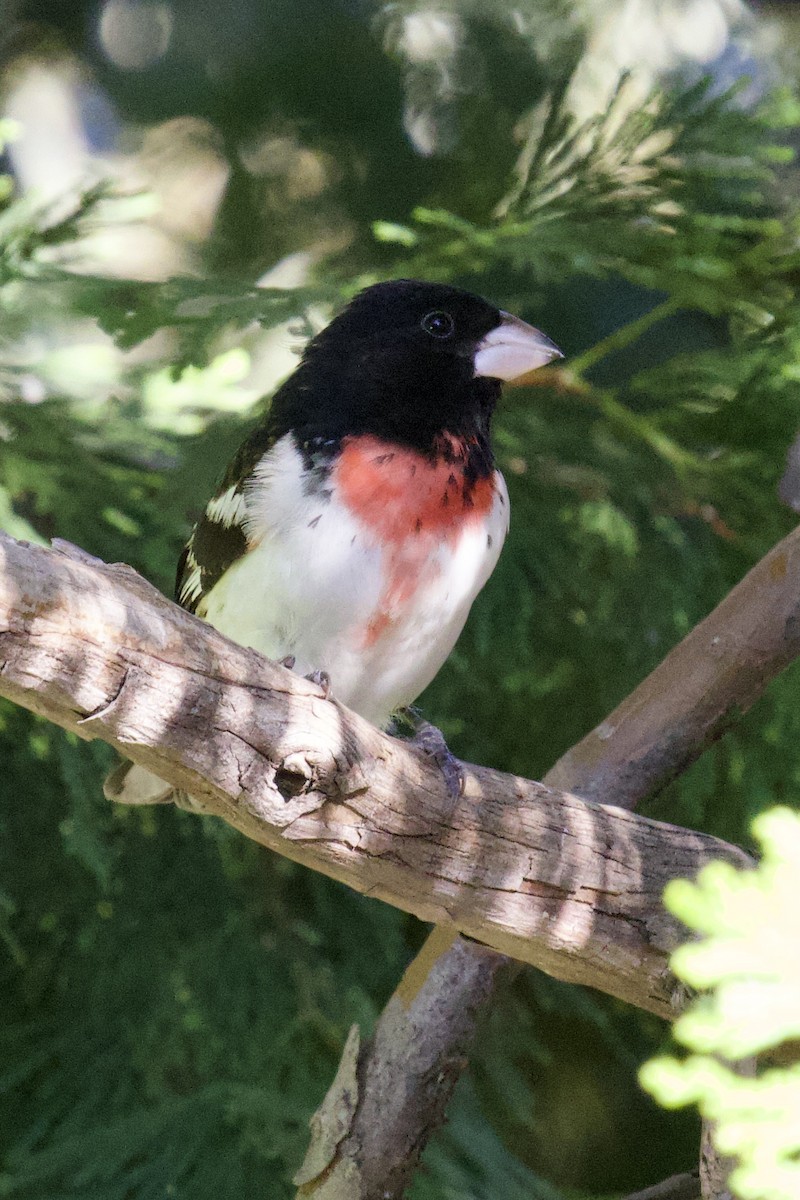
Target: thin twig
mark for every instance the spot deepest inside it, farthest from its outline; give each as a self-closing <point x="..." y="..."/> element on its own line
<point x="625" y="336"/>
<point x="677" y="1187"/>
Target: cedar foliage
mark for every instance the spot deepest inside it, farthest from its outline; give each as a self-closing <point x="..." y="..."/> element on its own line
<point x="174" y="999"/>
<point x="744" y="921"/>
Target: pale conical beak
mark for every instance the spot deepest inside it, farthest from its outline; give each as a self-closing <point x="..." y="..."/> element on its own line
<point x="512" y="349"/>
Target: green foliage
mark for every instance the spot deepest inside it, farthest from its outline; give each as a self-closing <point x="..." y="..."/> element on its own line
<point x="185" y="1009"/>
<point x="745" y="964"/>
<point x="173" y="999"/>
<point x="689" y="177"/>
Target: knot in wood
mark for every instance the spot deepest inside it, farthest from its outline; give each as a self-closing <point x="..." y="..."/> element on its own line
<point x="295" y="775"/>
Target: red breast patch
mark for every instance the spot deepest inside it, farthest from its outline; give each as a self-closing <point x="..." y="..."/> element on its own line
<point x="401" y="494"/>
<point x="412" y="504"/>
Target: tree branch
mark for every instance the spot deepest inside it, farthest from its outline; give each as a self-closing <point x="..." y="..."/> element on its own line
<point x="692" y="697"/>
<point x="677" y="1187"/>
<point x="697" y="692"/>
<point x="571" y="887"/>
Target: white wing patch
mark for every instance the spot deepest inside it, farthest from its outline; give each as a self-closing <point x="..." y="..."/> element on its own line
<point x="192" y="586"/>
<point x="229" y="509"/>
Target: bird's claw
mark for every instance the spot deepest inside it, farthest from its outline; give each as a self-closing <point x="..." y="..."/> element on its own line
<point x="323" y="680"/>
<point x="431" y="741"/>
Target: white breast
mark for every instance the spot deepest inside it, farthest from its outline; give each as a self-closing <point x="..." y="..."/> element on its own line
<point x="315" y="585"/>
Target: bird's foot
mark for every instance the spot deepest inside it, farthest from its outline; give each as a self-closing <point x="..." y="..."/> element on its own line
<point x="431" y="741"/>
<point x="321" y="678"/>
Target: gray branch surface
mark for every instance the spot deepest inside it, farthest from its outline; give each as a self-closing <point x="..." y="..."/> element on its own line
<point x="688" y="701"/>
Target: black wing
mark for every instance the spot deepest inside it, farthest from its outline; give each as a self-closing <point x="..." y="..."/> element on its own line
<point x="219" y="538"/>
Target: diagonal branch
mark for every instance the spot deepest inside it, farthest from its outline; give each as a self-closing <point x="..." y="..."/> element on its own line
<point x="542" y="876"/>
<point x="691" y="698"/>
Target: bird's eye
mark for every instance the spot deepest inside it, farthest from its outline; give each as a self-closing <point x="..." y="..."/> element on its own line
<point x="438" y="324"/>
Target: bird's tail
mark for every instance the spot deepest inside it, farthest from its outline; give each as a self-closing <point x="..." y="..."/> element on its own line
<point x="129" y="784"/>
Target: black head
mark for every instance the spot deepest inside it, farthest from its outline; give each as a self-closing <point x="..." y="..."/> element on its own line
<point x="406" y="361"/>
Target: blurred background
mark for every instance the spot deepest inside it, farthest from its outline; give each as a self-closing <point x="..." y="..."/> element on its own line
<point x="189" y="188"/>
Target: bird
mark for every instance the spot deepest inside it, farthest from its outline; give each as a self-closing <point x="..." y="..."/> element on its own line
<point x="358" y="521"/>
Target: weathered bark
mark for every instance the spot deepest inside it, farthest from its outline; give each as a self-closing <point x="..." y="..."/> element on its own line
<point x="544" y="877"/>
<point x="715" y="1168"/>
<point x="409" y="1036"/>
<point x="691" y="698"/>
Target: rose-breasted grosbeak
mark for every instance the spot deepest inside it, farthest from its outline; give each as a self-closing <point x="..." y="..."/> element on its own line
<point x="356" y="525"/>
